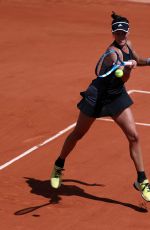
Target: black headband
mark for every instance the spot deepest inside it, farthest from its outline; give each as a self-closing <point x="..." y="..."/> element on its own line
<point x="120" y="26"/>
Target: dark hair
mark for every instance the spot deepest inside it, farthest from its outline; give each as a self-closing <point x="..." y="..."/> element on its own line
<point x="118" y="18"/>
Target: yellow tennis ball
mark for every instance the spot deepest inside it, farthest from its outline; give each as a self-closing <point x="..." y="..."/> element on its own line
<point x="119" y="73"/>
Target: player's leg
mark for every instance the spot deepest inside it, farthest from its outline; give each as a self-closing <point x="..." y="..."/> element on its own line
<point x="126" y="122"/>
<point x="83" y="124"/>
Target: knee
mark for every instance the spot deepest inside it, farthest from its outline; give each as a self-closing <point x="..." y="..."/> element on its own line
<point x="133" y="137"/>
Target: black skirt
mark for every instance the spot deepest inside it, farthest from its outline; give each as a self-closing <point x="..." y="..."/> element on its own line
<point x="95" y="104"/>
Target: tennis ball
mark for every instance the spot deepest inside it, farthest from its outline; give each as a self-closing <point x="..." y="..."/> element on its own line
<point x="119" y="73"/>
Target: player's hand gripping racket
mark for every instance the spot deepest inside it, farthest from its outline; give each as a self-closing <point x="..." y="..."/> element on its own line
<point x="117" y="64"/>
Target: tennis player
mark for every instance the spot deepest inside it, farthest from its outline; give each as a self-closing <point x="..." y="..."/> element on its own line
<point x="108" y="97"/>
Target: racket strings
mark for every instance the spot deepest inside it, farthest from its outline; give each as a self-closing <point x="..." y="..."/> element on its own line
<point x="101" y="67"/>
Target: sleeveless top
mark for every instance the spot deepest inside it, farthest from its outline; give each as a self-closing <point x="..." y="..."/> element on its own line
<point x="112" y="86"/>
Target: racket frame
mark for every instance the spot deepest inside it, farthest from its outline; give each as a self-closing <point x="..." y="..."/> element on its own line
<point x="114" y="66"/>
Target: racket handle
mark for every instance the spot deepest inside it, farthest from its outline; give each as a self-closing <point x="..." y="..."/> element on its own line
<point x="128" y="63"/>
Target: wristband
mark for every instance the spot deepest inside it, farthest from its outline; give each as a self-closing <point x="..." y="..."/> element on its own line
<point x="148" y="61"/>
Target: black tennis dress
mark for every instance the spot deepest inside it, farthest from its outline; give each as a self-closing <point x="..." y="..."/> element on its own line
<point x="106" y="96"/>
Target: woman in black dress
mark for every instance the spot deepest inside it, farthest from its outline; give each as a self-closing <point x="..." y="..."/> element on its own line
<point x="108" y="97"/>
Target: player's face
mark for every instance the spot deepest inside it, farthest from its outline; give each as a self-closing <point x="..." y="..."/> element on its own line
<point x="120" y="37"/>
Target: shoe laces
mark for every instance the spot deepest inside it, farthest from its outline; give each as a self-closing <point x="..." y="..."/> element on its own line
<point x="146" y="186"/>
<point x="58" y="172"/>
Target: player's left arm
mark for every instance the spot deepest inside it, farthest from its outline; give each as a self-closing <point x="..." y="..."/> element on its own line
<point x="140" y="61"/>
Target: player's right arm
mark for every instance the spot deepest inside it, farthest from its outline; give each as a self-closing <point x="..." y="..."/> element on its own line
<point x="140" y="60"/>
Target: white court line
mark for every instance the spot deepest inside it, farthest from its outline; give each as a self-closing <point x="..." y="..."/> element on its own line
<point x="62" y="132"/>
<point x="138" y="91"/>
<point x="37" y="146"/>
<point x="137" y="123"/>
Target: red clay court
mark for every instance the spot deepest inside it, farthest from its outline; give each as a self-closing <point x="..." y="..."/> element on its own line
<point x="48" y="55"/>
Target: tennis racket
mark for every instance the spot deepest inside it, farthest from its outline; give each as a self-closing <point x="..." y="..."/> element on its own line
<point x="30" y="209"/>
<point x="118" y="63"/>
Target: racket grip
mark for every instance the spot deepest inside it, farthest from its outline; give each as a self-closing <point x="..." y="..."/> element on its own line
<point x="128" y="63"/>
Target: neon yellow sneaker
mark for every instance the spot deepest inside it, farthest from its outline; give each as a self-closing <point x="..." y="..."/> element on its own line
<point x="144" y="188"/>
<point x="56" y="177"/>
